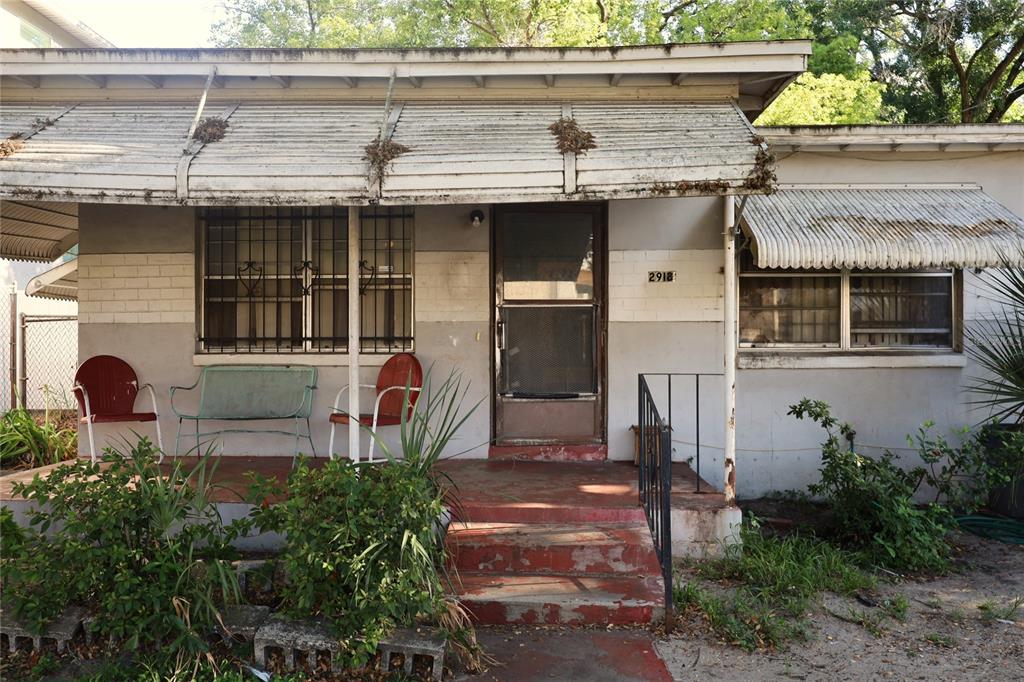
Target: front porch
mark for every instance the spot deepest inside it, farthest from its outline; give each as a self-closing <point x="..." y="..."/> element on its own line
<point x="532" y="542"/>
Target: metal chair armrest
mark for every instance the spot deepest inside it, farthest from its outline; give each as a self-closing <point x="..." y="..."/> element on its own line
<point x="376" y="404"/>
<point x="152" y="397"/>
<point x="344" y="388"/>
<point x="182" y="388"/>
<point x="85" y="397"/>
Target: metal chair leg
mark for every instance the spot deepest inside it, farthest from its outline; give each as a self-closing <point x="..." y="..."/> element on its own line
<point x="92" y="441"/>
<point x="330" y="443"/>
<point x="309" y="437"/>
<point x="177" y="437"/>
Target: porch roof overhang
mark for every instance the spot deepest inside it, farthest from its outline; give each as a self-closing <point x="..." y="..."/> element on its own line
<point x="37" y="230"/>
<point x="60" y="282"/>
<point x="884" y="227"/>
<point x="315" y="153"/>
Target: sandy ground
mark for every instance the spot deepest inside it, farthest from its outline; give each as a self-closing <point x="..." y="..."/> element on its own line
<point x="944" y="636"/>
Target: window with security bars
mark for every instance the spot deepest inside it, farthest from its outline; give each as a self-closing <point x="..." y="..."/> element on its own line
<point x="845" y="309"/>
<point x="275" y="279"/>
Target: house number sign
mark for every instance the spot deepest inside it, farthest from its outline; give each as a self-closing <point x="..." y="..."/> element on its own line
<point x="661" y="276"/>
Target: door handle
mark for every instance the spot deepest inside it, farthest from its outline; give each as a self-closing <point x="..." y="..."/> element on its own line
<point x="500" y="328"/>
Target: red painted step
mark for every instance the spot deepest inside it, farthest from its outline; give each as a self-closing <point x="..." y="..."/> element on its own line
<point x="525" y="599"/>
<point x="549" y="453"/>
<point x="553" y="548"/>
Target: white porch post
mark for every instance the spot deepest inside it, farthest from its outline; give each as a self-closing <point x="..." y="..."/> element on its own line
<point x="729" y="340"/>
<point x="353" y="333"/>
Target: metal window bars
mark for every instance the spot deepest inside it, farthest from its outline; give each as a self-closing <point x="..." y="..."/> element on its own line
<point x="275" y="279"/>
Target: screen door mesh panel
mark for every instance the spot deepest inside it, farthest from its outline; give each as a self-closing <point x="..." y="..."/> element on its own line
<point x="549" y="351"/>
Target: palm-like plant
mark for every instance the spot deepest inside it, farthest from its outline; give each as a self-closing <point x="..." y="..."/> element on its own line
<point x="996" y="342"/>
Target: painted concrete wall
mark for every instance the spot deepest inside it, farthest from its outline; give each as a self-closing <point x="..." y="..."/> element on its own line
<point x="669" y="327"/>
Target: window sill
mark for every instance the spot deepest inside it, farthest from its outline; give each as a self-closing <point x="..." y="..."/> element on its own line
<point x="315" y="359"/>
<point x="807" y="359"/>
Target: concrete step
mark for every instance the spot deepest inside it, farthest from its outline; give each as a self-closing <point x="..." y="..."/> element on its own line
<point x="549" y="453"/>
<point x="532" y="599"/>
<point x="553" y="548"/>
<point x="570" y="511"/>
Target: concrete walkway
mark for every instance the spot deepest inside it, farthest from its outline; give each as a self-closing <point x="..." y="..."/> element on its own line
<point x="528" y="655"/>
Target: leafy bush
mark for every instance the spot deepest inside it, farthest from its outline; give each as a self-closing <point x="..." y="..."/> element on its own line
<point x="26" y="441"/>
<point x="873" y="501"/>
<point x="360" y="548"/>
<point x="145" y="551"/>
<point x="362" y="545"/>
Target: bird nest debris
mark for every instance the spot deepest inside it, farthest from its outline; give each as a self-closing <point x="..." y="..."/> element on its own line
<point x="762" y="175"/>
<point x="380" y="153"/>
<point x="42" y="123"/>
<point x="10" y="145"/>
<point x="700" y="187"/>
<point x="572" y="138"/>
<point x="210" y="129"/>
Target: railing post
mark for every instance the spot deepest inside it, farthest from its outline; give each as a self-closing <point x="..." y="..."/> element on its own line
<point x="696" y="403"/>
<point x="23" y="360"/>
<point x="666" y="522"/>
<point x="729" y="345"/>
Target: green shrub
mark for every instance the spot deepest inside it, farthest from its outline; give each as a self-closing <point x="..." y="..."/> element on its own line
<point x="26" y="441"/>
<point x="360" y="548"/>
<point x="146" y="552"/>
<point x="872" y="500"/>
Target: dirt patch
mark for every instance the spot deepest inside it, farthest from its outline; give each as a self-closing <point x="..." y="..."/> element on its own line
<point x="951" y="631"/>
<point x="210" y="129"/>
<point x="571" y="138"/>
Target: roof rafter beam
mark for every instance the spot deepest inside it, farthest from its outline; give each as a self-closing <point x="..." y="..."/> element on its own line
<point x="481" y="81"/>
<point x="31" y="81"/>
<point x="155" y="81"/>
<point x="349" y="81"/>
<point x="416" y="81"/>
<point x="283" y="81"/>
<point x="549" y="80"/>
<point x="614" y="79"/>
<point x="680" y="78"/>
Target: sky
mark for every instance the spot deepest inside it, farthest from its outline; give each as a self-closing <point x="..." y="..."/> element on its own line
<point x="147" y="23"/>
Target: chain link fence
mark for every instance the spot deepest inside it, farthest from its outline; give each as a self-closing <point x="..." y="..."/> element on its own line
<point x="39" y="358"/>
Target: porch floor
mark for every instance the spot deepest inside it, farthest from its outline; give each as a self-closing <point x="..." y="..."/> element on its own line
<point x="607" y="491"/>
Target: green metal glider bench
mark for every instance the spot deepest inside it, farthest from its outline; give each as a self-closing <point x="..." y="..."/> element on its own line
<point x="251" y="393"/>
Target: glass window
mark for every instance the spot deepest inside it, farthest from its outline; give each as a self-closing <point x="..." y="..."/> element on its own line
<point x="901" y="310"/>
<point x="276" y="279"/>
<point x="789" y="310"/>
<point x="549" y="256"/>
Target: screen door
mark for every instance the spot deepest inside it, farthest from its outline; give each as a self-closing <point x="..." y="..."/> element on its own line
<point x="548" y="324"/>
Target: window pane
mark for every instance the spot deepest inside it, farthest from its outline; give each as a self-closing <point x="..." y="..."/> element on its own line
<point x="385" y="279"/>
<point x="783" y="310"/>
<point x="895" y="310"/>
<point x="549" y="351"/>
<point x="548" y="256"/>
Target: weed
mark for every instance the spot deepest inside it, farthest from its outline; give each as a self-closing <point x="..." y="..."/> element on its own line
<point x="210" y="129"/>
<point x="956" y="615"/>
<point x="787" y="571"/>
<point x="742" y="619"/>
<point x="30" y="442"/>
<point x="991" y="611"/>
<point x="872" y="622"/>
<point x="896" y="607"/>
<point x="940" y="640"/>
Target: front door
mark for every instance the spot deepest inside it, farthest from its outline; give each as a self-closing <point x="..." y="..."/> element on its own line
<point x="549" y="324"/>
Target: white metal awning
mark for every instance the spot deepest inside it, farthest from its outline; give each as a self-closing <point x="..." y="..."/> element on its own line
<point x="314" y="153"/>
<point x="60" y="282"/>
<point x="37" y="230"/>
<point x="828" y="227"/>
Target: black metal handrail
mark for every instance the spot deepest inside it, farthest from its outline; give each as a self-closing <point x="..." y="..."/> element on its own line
<point x="655" y="469"/>
<point x="655" y="462"/>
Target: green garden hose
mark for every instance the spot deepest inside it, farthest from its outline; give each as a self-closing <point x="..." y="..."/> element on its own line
<point x="998" y="528"/>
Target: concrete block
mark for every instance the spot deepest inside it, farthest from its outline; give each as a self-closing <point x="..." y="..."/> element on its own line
<point x="61" y="631"/>
<point x="700" y="533"/>
<point x="242" y="621"/>
<point x="410" y="643"/>
<point x="292" y="637"/>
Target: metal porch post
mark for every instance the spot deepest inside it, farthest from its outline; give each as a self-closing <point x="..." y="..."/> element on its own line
<point x="353" y="333"/>
<point x="729" y="337"/>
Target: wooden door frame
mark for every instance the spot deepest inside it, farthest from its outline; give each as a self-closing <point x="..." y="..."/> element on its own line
<point x="599" y="210"/>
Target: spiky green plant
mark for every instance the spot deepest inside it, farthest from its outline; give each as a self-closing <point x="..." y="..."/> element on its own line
<point x="996" y="342"/>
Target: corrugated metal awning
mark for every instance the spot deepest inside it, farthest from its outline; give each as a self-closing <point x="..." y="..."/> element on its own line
<point x="60" y="282"/>
<point x="37" y="230"/>
<point x="882" y="228"/>
<point x="291" y="153"/>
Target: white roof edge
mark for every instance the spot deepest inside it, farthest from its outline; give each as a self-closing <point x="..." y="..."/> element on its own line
<point x="66" y="30"/>
<point x="888" y="135"/>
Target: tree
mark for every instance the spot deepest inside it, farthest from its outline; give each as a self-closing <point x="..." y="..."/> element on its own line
<point x="827" y="99"/>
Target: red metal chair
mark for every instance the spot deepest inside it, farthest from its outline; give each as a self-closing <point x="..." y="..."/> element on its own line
<point x="106" y="387"/>
<point x="399" y="370"/>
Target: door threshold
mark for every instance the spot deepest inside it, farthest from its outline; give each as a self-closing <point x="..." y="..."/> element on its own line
<point x="592" y="452"/>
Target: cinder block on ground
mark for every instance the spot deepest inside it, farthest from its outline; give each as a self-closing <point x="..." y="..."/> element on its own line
<point x="241" y="621"/>
<point x="292" y="637"/>
<point x="410" y="643"/>
<point x="61" y="631"/>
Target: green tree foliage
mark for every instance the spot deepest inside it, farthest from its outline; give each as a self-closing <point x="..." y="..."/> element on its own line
<point x="830" y="98"/>
<point x="938" y="60"/>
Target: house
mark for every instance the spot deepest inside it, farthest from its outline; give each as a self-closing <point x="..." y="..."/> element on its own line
<point x="554" y="223"/>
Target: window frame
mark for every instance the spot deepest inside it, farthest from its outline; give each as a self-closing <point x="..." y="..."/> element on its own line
<point x="309" y="345"/>
<point x="845" y="344"/>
